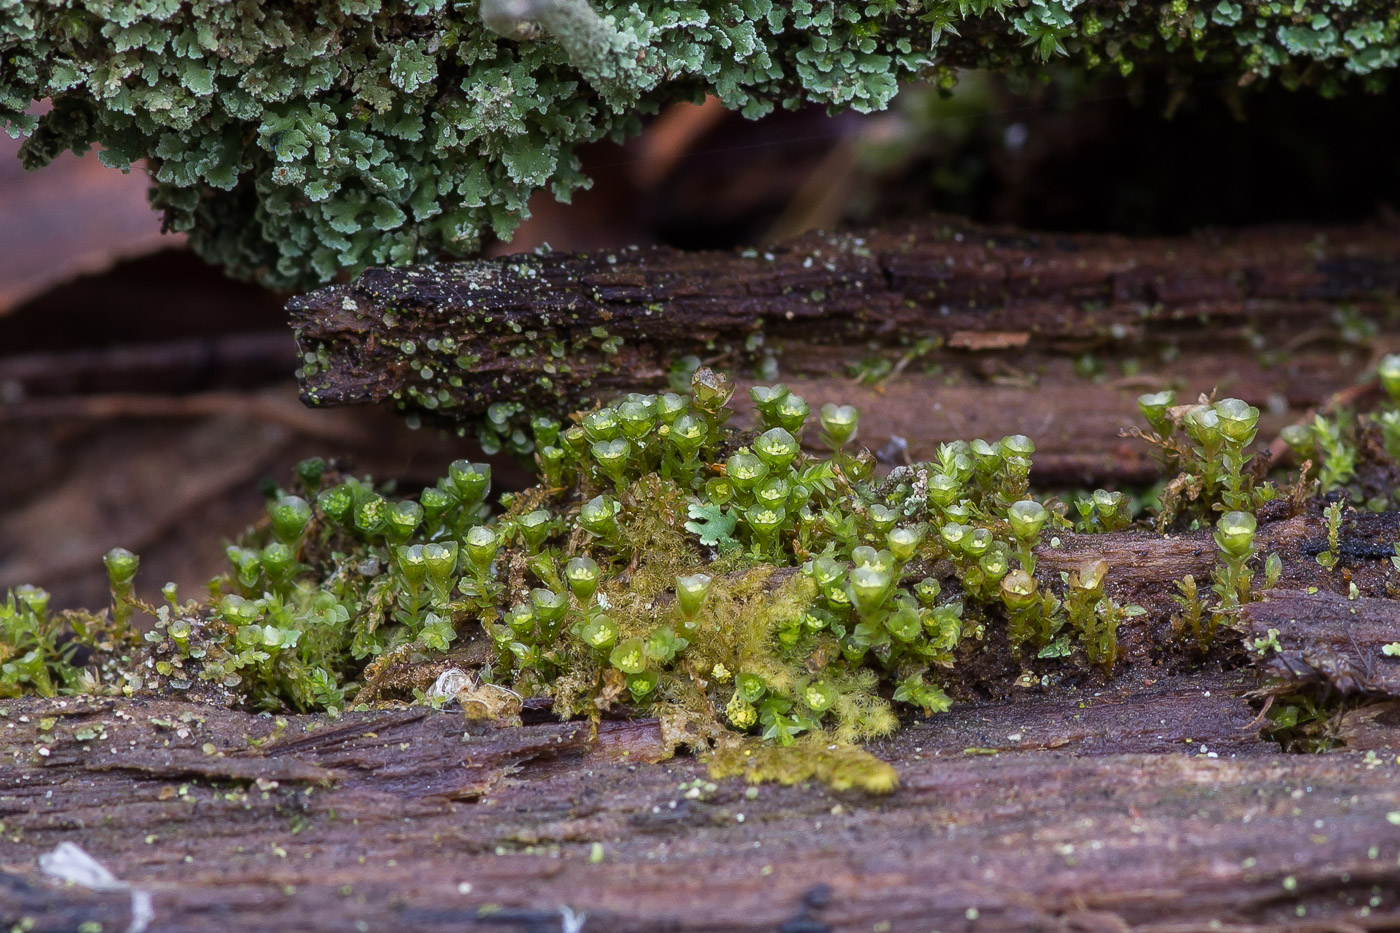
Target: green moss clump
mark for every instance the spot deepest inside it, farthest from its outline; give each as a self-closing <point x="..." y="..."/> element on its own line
<point x="293" y="141"/>
<point x="725" y="581"/>
<point x="720" y="579"/>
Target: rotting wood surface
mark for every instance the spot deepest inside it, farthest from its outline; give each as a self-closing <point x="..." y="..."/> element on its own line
<point x="1151" y="806"/>
<point x="987" y="332"/>
<point x="1148" y="804"/>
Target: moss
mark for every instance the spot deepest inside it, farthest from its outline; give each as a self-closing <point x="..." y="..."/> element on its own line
<point x="291" y="142"/>
<point x="840" y="767"/>
<point x="729" y="582"/>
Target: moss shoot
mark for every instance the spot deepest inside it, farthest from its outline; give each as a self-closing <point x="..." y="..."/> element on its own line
<point x="730" y="582"/>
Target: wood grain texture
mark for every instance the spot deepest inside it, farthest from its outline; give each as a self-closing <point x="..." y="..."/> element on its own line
<point x="988" y="332"/>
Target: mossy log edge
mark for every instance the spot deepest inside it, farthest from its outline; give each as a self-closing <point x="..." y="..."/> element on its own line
<point x="1149" y="804"/>
<point x="981" y="332"/>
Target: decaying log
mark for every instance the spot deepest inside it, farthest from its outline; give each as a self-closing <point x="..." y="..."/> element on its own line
<point x="1146" y="807"/>
<point x="1331" y="640"/>
<point x="982" y="332"/>
<point x="1151" y="803"/>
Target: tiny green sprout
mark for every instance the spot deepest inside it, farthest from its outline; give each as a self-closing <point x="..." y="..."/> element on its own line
<point x="986" y="459"/>
<point x="819" y="696"/>
<point x="905" y="623"/>
<point x="691" y="593"/>
<point x="1273" y="569"/>
<point x="710" y="390"/>
<point x="1234" y="534"/>
<point x="583" y="574"/>
<point x="598" y="631"/>
<point x="441" y="560"/>
<point x="688" y="433"/>
<point x="1202" y="424"/>
<point x="978" y="543"/>
<point x="121" y="566"/>
<point x="904" y="541"/>
<point x="240" y="611"/>
<point x="552" y="464"/>
<point x="549" y="607"/>
<point x="1156" y="408"/>
<point x="1388" y="371"/>
<point x="1270" y="642"/>
<point x="576" y="439"/>
<point x="629" y="656"/>
<point x="1239" y="421"/>
<point x="1027" y="518"/>
<point x="669" y="406"/>
<point x="247" y="564"/>
<point x="1391" y="650"/>
<point x="745" y="470"/>
<point x="827" y="571"/>
<point x="611" y="457"/>
<point x="1113" y="509"/>
<point x="481" y="545"/>
<point x="605" y="424"/>
<point x="470" y="481"/>
<point x="764" y="521"/>
<point x="278" y="560"/>
<point x="750" y="687"/>
<point x="403" y="520"/>
<point x="1019" y="590"/>
<point x="290" y="515"/>
<point x="545" y="430"/>
<point x="598" y="516"/>
<point x="927" y="591"/>
<point x="34" y="598"/>
<point x="435" y="501"/>
<point x="791" y="413"/>
<point x="371" y="514"/>
<point x="767" y="398"/>
<point x="310" y="471"/>
<point x="994" y="564"/>
<point x="412" y="564"/>
<point x="882" y="518"/>
<point x="944" y="490"/>
<point x="1299" y="438"/>
<point x="638" y="418"/>
<point x="772" y="492"/>
<point x="777" y="448"/>
<point x="641" y="684"/>
<point x="121" y="570"/>
<point x="521" y="620"/>
<point x="1017" y="445"/>
<point x="839" y="422"/>
<point x="663" y="645"/>
<point x="534" y="528"/>
<point x="1333" y="514"/>
<point x="868" y="587"/>
<point x="955" y="536"/>
<point x="867" y="556"/>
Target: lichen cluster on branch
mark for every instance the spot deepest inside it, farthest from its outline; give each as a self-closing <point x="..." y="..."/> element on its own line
<point x="293" y="141"/>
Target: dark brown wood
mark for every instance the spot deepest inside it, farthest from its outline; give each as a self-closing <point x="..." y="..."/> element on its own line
<point x="988" y="332"/>
<point x="1151" y="803"/>
<point x="1150" y="806"/>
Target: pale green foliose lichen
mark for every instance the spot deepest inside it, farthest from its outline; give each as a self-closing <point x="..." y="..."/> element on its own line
<point x="293" y="141"/>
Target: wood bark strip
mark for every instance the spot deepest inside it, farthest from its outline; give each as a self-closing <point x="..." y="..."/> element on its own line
<point x="984" y="328"/>
<point x="1331" y="640"/>
<point x="1143" y="807"/>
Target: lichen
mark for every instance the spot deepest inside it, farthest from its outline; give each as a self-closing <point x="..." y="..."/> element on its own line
<point x="291" y="142"/>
